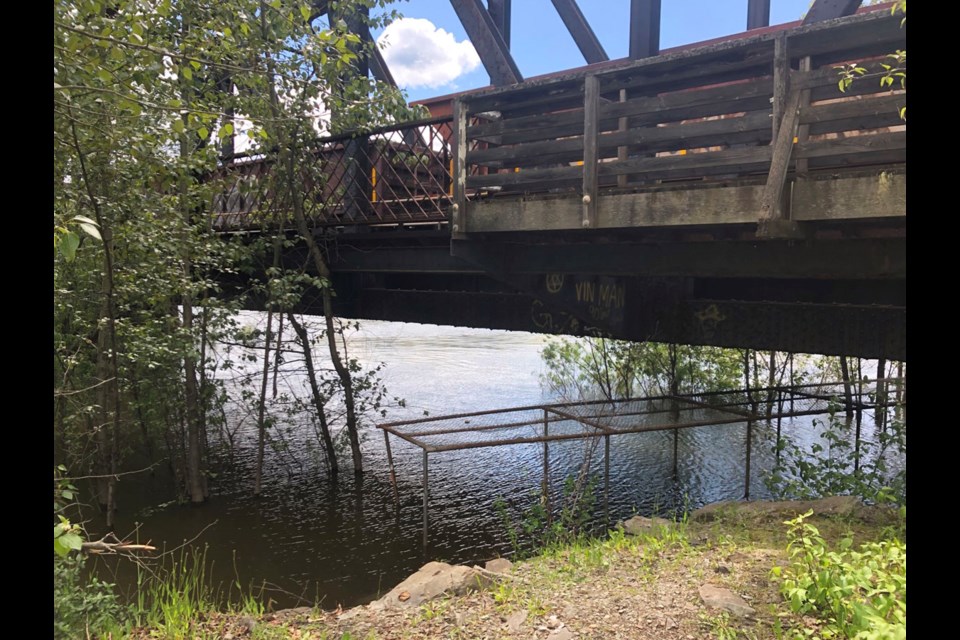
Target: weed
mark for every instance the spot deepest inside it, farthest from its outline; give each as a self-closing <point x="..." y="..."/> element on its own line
<point x="856" y="594"/>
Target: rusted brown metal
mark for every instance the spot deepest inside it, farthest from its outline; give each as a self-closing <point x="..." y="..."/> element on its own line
<point x="726" y="403"/>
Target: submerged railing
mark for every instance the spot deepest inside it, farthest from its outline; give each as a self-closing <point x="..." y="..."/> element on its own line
<point x="591" y="420"/>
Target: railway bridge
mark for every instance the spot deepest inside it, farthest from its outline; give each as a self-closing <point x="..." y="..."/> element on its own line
<point x="725" y="193"/>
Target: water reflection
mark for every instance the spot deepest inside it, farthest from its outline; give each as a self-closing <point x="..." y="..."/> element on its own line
<point x="310" y="538"/>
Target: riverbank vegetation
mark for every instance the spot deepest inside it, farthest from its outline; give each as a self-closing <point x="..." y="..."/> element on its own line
<point x="837" y="573"/>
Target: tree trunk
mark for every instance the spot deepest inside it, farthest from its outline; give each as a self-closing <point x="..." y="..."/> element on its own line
<point x="771" y="382"/>
<point x="847" y="391"/>
<point x="276" y="354"/>
<point x="261" y="425"/>
<point x="880" y="414"/>
<point x="107" y="369"/>
<point x="318" y="401"/>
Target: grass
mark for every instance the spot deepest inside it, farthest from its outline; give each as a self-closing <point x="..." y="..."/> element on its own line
<point x="599" y="587"/>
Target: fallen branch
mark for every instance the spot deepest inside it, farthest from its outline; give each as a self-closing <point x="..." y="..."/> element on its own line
<point x="110" y="544"/>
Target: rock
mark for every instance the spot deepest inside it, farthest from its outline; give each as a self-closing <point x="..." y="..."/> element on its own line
<point x="562" y="633"/>
<point x="720" y="598"/>
<point x="832" y="506"/>
<point x="638" y="525"/>
<point x="350" y="613"/>
<point x="516" y="620"/>
<point x="432" y="580"/>
<point x="498" y="565"/>
<point x="553" y="623"/>
<point x="250" y="624"/>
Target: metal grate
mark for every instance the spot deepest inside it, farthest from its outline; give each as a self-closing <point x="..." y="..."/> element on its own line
<point x="393" y="175"/>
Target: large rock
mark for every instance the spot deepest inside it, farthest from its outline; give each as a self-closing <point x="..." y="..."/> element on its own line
<point x="498" y="565"/>
<point x="832" y="506"/>
<point x="720" y="598"/>
<point x="639" y="525"/>
<point x="434" y="579"/>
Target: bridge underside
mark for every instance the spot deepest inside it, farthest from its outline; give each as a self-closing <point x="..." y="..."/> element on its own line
<point x="836" y="292"/>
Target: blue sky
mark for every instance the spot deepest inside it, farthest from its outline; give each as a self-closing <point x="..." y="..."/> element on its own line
<point x="436" y="63"/>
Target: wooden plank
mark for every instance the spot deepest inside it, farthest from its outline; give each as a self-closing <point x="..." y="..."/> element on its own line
<point x="676" y="105"/>
<point x="782" y="149"/>
<point x="591" y="150"/>
<point x="857" y="123"/>
<point x="652" y="81"/>
<point x="623" y="124"/>
<point x="711" y="163"/>
<point x="803" y="130"/>
<point x="781" y="80"/>
<point x="668" y="107"/>
<point x="534" y="175"/>
<point x="752" y="127"/>
<point x="694" y="165"/>
<point x="460" y="144"/>
<point x="852" y="146"/>
<point x="853" y="108"/>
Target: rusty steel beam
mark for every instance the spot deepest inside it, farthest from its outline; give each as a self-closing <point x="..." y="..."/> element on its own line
<point x="758" y="14"/>
<point x="378" y="66"/>
<point x="500" y="13"/>
<point x="644" y="28"/>
<point x="486" y="39"/>
<point x="579" y="28"/>
<point x="830" y="9"/>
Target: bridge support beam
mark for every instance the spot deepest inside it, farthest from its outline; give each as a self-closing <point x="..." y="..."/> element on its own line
<point x="829" y="9"/>
<point x="758" y="14"/>
<point x="644" y="28"/>
<point x="486" y="39"/>
<point x="500" y="13"/>
<point x="579" y="28"/>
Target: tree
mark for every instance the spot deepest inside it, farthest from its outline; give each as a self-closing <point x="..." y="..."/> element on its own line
<point x="147" y="94"/>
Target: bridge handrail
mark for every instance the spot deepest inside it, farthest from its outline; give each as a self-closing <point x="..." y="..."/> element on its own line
<point x="397" y="173"/>
<point x="761" y="106"/>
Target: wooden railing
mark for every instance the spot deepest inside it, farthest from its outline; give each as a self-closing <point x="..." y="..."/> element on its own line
<point x="761" y="107"/>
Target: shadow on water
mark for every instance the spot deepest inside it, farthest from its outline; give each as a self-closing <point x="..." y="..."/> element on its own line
<point x="312" y="539"/>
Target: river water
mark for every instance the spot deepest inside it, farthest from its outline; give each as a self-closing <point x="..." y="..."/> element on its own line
<point x="310" y="539"/>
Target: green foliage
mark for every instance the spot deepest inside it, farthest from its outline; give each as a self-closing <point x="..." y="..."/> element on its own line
<point x="601" y="367"/>
<point x="67" y="536"/>
<point x="82" y="607"/>
<point x="537" y="529"/>
<point x="859" y="594"/>
<point x="894" y="72"/>
<point x="871" y="469"/>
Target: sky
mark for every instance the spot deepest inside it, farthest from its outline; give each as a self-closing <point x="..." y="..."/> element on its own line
<point x="429" y="54"/>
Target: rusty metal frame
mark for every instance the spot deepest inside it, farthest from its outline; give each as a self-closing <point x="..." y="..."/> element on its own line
<point x="594" y="428"/>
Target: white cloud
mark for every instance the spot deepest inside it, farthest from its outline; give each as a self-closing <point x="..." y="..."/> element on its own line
<point x="419" y="54"/>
